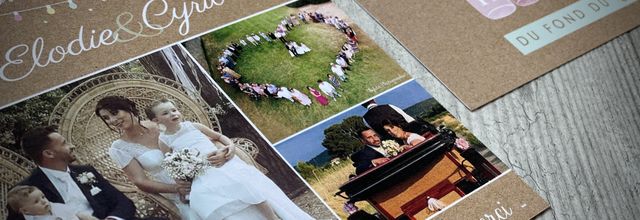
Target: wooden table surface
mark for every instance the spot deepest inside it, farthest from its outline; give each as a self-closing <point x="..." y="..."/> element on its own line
<point x="572" y="134"/>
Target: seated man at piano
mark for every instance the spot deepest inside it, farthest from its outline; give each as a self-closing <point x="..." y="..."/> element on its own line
<point x="371" y="154"/>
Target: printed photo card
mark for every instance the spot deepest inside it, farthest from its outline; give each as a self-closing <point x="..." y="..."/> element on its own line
<point x="399" y="155"/>
<point x="369" y="140"/>
<point x="291" y="67"/>
<point x="167" y="109"/>
<point x="112" y="121"/>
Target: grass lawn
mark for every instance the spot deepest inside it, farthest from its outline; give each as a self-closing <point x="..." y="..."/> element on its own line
<point x="327" y="183"/>
<point x="372" y="73"/>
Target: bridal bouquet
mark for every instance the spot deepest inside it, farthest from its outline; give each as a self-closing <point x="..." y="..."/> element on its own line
<point x="391" y="147"/>
<point x="184" y="164"/>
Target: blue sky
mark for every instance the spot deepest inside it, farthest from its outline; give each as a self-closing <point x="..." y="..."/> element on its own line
<point x="306" y="145"/>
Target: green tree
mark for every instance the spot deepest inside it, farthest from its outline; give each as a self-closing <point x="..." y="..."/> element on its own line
<point x="341" y="139"/>
<point x="306" y="170"/>
<point x="15" y="120"/>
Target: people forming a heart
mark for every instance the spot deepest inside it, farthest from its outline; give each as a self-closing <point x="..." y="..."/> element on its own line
<point x="330" y="86"/>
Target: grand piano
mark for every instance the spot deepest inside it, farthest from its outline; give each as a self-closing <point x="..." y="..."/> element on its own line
<point x="400" y="188"/>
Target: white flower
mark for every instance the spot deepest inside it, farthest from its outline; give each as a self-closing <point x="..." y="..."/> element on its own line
<point x="86" y="178"/>
<point x="184" y="164"/>
<point x="391" y="147"/>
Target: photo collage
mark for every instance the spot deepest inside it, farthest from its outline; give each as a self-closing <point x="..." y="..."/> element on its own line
<point x="300" y="114"/>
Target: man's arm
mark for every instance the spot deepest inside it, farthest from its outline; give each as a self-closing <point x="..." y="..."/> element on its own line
<point x="225" y="153"/>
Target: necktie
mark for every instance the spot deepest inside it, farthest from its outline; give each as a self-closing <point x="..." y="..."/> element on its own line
<point x="66" y="185"/>
<point x="72" y="195"/>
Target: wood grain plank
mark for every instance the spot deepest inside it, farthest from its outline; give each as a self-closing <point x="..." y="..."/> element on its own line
<point x="572" y="134"/>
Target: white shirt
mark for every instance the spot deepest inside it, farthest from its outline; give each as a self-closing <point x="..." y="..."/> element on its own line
<point x="69" y="190"/>
<point x="337" y="69"/>
<point x="379" y="149"/>
<point x="412" y="137"/>
<point x="284" y="93"/>
<point x="326" y="88"/>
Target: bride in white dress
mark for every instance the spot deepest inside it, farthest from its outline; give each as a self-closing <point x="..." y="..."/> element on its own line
<point x="124" y="153"/>
<point x="235" y="190"/>
<point x="138" y="151"/>
<point x="410" y="139"/>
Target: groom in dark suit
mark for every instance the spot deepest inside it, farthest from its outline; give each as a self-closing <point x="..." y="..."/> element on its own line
<point x="80" y="187"/>
<point x="371" y="154"/>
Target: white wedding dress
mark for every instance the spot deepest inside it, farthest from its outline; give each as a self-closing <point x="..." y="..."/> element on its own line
<point x="123" y="152"/>
<point x="230" y="192"/>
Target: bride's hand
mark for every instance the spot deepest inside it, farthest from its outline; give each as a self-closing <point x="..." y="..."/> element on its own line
<point x="230" y="152"/>
<point x="183" y="199"/>
<point x="183" y="187"/>
<point x="217" y="158"/>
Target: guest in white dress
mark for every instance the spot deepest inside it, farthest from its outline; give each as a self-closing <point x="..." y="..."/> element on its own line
<point x="301" y="97"/>
<point x="297" y="47"/>
<point x="283" y="92"/>
<point x="235" y="190"/>
<point x="244" y="43"/>
<point x="328" y="89"/>
<point x="300" y="48"/>
<point x="347" y="53"/>
<point x="267" y="38"/>
<point x="337" y="69"/>
<point x="342" y="62"/>
<point x="137" y="152"/>
<point x="256" y="38"/>
<point x="251" y="40"/>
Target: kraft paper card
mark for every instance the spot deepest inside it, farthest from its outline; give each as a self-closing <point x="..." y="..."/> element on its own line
<point x="483" y="49"/>
<point x="47" y="43"/>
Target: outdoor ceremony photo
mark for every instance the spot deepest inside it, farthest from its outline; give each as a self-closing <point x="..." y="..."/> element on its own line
<point x="152" y="138"/>
<point x="296" y="65"/>
<point x="399" y="155"/>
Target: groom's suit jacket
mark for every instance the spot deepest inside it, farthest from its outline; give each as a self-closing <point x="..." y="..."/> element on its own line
<point x="362" y="159"/>
<point x="108" y="202"/>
